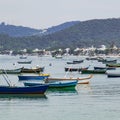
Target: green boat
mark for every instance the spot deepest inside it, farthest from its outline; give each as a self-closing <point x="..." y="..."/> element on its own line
<point x="93" y="71"/>
<point x="113" y="65"/>
<point x="10" y="71"/>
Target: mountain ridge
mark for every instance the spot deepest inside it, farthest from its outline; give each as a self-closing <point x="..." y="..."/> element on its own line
<point x="82" y="34"/>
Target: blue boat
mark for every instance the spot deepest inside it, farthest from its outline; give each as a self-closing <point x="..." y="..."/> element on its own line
<point x="58" y="84"/>
<point x="39" y="89"/>
<point x="40" y="77"/>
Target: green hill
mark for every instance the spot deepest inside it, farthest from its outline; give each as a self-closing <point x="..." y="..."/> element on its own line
<point x="83" y="34"/>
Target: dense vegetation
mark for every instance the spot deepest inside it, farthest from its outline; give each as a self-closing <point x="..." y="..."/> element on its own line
<point x="82" y="34"/>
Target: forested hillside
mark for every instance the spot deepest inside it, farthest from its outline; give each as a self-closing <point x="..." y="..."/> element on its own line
<point x="82" y="34"/>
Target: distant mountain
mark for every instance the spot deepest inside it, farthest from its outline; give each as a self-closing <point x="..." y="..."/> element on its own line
<point x="17" y="31"/>
<point x="20" y="31"/>
<point x="82" y="34"/>
<point x="60" y="27"/>
<point x="87" y="33"/>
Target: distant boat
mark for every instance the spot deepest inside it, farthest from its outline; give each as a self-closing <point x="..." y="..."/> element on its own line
<point x="58" y="56"/>
<point x="93" y="71"/>
<point x="23" y="90"/>
<point x="106" y="61"/>
<point x="24" y="62"/>
<point x="32" y="70"/>
<point x="23" y="57"/>
<point x="113" y="65"/>
<point x="10" y="71"/>
<point x="75" y="62"/>
<point x="72" y="69"/>
<point x="104" y="68"/>
<point x="92" y="58"/>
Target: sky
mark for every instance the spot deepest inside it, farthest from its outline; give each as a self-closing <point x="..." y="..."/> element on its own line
<point x="43" y="14"/>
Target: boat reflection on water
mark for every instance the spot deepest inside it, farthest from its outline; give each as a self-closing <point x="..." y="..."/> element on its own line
<point x="62" y="91"/>
<point x="23" y="96"/>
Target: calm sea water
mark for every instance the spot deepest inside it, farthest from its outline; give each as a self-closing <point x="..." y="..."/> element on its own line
<point x="99" y="100"/>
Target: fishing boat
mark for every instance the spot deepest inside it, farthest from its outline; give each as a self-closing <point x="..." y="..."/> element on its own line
<point x="58" y="84"/>
<point x="32" y="70"/>
<point x="11" y="71"/>
<point x="75" y="62"/>
<point x="113" y="74"/>
<point x="113" y="65"/>
<point x="12" y="89"/>
<point x="71" y="69"/>
<point x="23" y="90"/>
<point x="58" y="57"/>
<point x="23" y="57"/>
<point x="24" y="62"/>
<point x="49" y="80"/>
<point x="92" y="58"/>
<point x="106" y="61"/>
<point x="104" y="68"/>
<point x="33" y="77"/>
<point x="93" y="71"/>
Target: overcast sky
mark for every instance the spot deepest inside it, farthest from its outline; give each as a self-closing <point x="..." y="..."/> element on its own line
<point x="46" y="13"/>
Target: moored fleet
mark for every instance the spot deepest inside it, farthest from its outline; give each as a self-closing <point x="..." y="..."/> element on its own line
<point x="36" y="81"/>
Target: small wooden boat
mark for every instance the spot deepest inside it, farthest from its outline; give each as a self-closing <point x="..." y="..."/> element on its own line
<point x="58" y="57"/>
<point x="113" y="74"/>
<point x="78" y="61"/>
<point x="11" y="89"/>
<point x="23" y="57"/>
<point x="104" y="68"/>
<point x="92" y="58"/>
<point x="93" y="71"/>
<point x="24" y="62"/>
<point x="84" y="81"/>
<point x="11" y="71"/>
<point x="113" y="65"/>
<point x="75" y="62"/>
<point x="48" y="80"/>
<point x="40" y="89"/>
<point x="39" y="77"/>
<point x="58" y="84"/>
<point x="74" y="69"/>
<point x="32" y="70"/>
<point x="105" y="61"/>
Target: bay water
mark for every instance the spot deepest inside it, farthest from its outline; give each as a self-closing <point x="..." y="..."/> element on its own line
<point x="99" y="100"/>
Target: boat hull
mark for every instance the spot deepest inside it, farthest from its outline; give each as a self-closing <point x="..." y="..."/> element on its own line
<point x="23" y="90"/>
<point x="58" y="84"/>
<point x="33" y="70"/>
<point x="24" y="62"/>
<point x="113" y="75"/>
<point x="113" y="65"/>
<point x="32" y="77"/>
<point x="12" y="71"/>
<point x="74" y="69"/>
<point x="82" y="79"/>
<point x="93" y="71"/>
